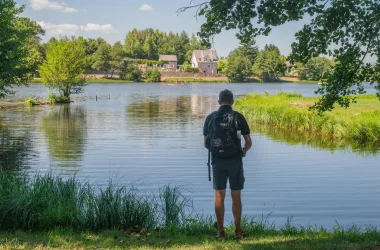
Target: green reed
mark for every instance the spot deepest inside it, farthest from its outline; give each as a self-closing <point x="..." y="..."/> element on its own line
<point x="48" y="202"/>
<point x="360" y="123"/>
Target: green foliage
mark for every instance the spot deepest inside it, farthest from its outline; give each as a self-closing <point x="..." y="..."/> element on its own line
<point x="270" y="64"/>
<point x="102" y="58"/>
<point x="153" y="75"/>
<point x="149" y="44"/>
<point x="345" y="30"/>
<point x="47" y="202"/>
<point x="64" y="66"/>
<point x="53" y="99"/>
<point x="31" y="102"/>
<point x="130" y="72"/>
<point x="238" y="67"/>
<point x="222" y="66"/>
<point x="291" y="111"/>
<point x="117" y="55"/>
<point x="315" y="69"/>
<point x="19" y="51"/>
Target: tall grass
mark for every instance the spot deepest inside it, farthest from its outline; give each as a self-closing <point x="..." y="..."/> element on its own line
<point x="359" y="124"/>
<point x="48" y="202"/>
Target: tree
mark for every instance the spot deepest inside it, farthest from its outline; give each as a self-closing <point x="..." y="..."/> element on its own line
<point x="117" y="55"/>
<point x="250" y="50"/>
<point x="64" y="66"/>
<point x="270" y="64"/>
<point x="238" y="67"/>
<point x="130" y="72"/>
<point x="19" y="52"/>
<point x="222" y="65"/>
<point x="102" y="58"/>
<point x="352" y="26"/>
<point x="153" y="75"/>
<point x="315" y="69"/>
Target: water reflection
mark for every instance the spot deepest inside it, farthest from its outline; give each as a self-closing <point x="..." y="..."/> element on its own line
<point x="15" y="148"/>
<point x="158" y="117"/>
<point x="314" y="140"/>
<point x="66" y="131"/>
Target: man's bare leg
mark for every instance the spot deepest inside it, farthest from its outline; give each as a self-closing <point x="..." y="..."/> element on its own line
<point x="237" y="208"/>
<point x="219" y="208"/>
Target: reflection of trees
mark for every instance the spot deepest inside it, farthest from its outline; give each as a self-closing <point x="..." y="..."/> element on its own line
<point x="65" y="129"/>
<point x="14" y="148"/>
<point x="154" y="110"/>
<point x="314" y="140"/>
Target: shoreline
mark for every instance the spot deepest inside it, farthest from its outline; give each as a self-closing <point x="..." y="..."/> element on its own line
<point x="220" y="80"/>
<point x="80" y="215"/>
<point x="359" y="124"/>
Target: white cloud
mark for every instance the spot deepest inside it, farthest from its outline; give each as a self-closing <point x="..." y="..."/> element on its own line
<point x="71" y="29"/>
<point x="146" y="7"/>
<point x="50" y="5"/>
<point x="106" y="28"/>
<point x="59" y="29"/>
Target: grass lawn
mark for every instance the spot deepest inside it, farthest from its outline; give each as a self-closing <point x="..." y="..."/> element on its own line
<point x="359" y="124"/>
<point x="68" y="239"/>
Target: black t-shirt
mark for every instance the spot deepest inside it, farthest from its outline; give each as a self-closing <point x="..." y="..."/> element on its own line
<point x="241" y="123"/>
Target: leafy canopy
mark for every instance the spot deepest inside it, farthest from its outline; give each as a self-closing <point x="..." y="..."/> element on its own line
<point x="64" y="66"/>
<point x="19" y="54"/>
<point x="351" y="26"/>
<point x="239" y="68"/>
<point x="270" y="64"/>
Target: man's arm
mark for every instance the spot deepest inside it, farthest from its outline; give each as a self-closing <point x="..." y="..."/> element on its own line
<point x="205" y="141"/>
<point x="248" y="144"/>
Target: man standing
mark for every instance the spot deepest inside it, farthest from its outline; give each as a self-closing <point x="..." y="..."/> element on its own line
<point x="222" y="137"/>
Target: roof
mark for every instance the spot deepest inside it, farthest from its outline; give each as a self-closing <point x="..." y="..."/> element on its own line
<point x="206" y="53"/>
<point x="168" y="58"/>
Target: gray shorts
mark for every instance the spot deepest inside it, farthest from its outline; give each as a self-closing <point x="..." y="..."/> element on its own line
<point x="229" y="169"/>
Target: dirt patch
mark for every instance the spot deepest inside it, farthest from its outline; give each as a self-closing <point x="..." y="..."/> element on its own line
<point x="299" y="105"/>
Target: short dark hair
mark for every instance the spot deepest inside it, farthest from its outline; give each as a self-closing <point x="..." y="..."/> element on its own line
<point x="226" y="96"/>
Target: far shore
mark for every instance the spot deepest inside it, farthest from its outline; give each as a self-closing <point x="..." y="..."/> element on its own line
<point x="220" y="79"/>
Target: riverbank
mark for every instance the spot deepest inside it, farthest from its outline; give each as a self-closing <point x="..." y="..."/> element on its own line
<point x="263" y="239"/>
<point x="193" y="80"/>
<point x="359" y="124"/>
<point x="50" y="212"/>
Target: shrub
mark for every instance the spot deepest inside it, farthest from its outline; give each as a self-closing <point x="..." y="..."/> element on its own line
<point x="53" y="99"/>
<point x="153" y="75"/>
<point x="130" y="72"/>
<point x="31" y="102"/>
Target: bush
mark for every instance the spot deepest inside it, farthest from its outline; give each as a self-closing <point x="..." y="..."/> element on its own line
<point x="31" y="102"/>
<point x="53" y="99"/>
<point x="130" y="72"/>
<point x="153" y="75"/>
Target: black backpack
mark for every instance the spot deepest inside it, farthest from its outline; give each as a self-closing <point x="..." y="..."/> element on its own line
<point x="222" y="135"/>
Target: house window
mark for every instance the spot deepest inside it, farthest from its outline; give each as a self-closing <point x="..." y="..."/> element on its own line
<point x="209" y="66"/>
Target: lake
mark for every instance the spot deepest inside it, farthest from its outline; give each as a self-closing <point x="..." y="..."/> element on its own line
<point x="150" y="135"/>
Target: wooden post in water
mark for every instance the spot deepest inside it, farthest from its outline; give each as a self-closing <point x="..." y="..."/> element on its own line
<point x="96" y="97"/>
<point x="109" y="96"/>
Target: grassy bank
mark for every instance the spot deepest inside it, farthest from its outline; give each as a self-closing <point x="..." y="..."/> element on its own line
<point x="359" y="124"/>
<point x="49" y="212"/>
<point x="262" y="239"/>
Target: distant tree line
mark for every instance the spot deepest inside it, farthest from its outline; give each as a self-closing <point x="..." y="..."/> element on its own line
<point x="269" y="65"/>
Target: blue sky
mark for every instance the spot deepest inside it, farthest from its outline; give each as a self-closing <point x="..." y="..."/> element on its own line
<point x="112" y="19"/>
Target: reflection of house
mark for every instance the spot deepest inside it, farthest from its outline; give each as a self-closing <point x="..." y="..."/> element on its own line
<point x="171" y="62"/>
<point x="206" y="61"/>
<point x="203" y="104"/>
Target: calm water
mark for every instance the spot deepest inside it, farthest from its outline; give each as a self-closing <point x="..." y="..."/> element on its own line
<point x="151" y="135"/>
